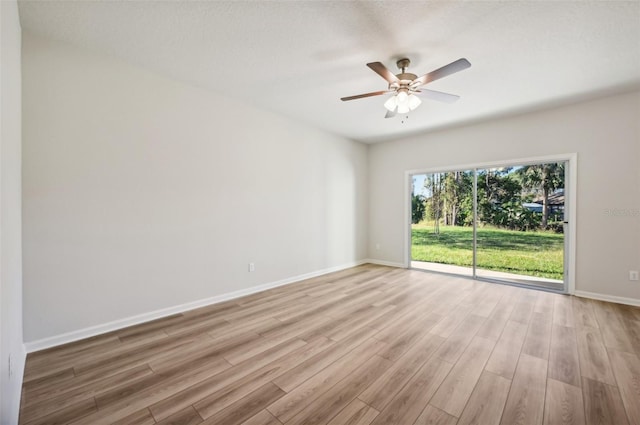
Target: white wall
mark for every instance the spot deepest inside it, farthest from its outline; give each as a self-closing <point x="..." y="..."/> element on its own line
<point x="142" y="193"/>
<point x="11" y="344"/>
<point x="606" y="135"/>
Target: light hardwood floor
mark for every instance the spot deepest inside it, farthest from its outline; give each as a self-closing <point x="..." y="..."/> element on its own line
<point x="368" y="345"/>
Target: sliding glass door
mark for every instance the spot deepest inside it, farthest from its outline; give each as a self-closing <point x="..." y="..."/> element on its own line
<point x="502" y="223"/>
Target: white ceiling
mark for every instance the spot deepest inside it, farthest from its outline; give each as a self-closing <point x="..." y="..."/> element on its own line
<point x="298" y="58"/>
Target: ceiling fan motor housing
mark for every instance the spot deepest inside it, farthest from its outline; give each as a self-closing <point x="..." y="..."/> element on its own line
<point x="406" y="76"/>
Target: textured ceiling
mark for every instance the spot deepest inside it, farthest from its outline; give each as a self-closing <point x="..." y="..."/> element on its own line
<point x="299" y="58"/>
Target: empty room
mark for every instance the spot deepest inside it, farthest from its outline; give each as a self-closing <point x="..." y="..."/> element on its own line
<point x="319" y="212"/>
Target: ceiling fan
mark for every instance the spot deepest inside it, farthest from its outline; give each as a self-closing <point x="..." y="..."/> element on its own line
<point x="406" y="87"/>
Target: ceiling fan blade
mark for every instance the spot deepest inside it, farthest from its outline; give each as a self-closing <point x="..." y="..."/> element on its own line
<point x="382" y="71"/>
<point x="360" y="96"/>
<point x="446" y="70"/>
<point x="391" y="114"/>
<point x="437" y="95"/>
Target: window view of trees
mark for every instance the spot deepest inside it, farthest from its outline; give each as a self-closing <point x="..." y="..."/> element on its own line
<point x="514" y="198"/>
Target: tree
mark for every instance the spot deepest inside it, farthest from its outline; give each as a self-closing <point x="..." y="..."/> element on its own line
<point x="543" y="179"/>
<point x="418" y="208"/>
<point x="451" y="197"/>
<point x="500" y="198"/>
<point x="457" y="197"/>
<point x="434" y="185"/>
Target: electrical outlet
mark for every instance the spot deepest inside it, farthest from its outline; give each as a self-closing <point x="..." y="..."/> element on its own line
<point x="377" y="246"/>
<point x="10" y="368"/>
<point x="633" y="275"/>
<point x="252" y="267"/>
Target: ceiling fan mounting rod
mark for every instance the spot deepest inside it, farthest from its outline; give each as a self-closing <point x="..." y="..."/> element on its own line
<point x="403" y="64"/>
<point x="404" y="78"/>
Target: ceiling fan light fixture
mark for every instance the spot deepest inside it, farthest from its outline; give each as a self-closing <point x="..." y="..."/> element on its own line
<point x="403" y="108"/>
<point x="391" y="103"/>
<point x="413" y="101"/>
<point x="403" y="102"/>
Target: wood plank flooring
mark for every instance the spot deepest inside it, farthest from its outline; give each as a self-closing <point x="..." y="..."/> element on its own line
<point x="367" y="345"/>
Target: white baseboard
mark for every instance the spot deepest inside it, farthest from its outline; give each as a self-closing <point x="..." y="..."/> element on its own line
<point x="610" y="298"/>
<point x="385" y="263"/>
<point x="115" y="325"/>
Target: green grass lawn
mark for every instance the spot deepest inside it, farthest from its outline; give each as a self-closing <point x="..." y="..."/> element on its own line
<point x="526" y="253"/>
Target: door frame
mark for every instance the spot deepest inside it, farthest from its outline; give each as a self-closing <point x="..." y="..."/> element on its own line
<point x="570" y="202"/>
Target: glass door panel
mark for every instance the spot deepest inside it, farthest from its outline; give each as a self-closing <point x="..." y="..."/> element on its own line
<point x="442" y="222"/>
<point x="520" y="231"/>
